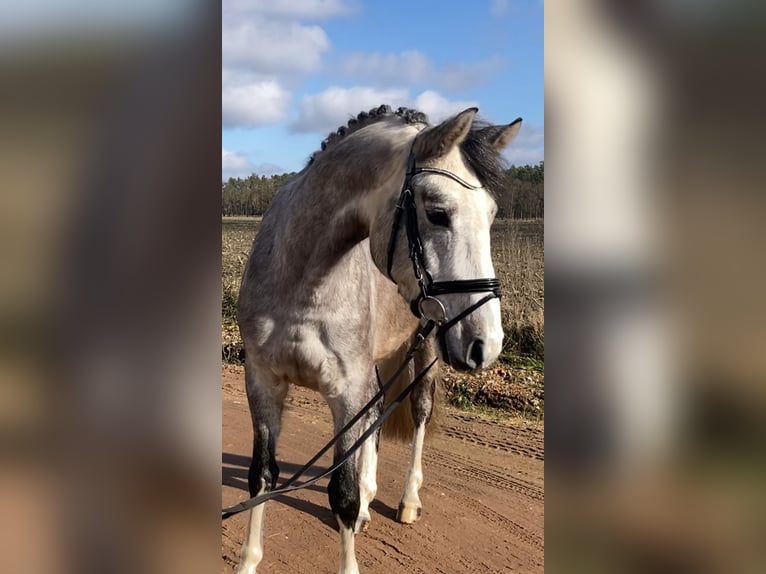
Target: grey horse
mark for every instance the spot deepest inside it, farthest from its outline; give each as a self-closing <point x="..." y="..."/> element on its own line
<point x="317" y="307"/>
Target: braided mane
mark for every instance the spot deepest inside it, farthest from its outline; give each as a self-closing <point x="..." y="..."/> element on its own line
<point x="485" y="161"/>
<point x="408" y="115"/>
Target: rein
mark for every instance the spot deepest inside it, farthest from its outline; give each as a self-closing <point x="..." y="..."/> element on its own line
<point x="429" y="289"/>
<point x="420" y="338"/>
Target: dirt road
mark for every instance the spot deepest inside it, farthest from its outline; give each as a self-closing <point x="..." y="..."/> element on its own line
<point x="482" y="496"/>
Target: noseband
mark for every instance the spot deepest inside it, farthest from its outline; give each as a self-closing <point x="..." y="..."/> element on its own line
<point x="427" y="305"/>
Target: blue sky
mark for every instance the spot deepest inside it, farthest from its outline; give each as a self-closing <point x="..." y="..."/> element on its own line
<point x="293" y="70"/>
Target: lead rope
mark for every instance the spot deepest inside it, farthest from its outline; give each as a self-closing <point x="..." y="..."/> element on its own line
<point x="420" y="338"/>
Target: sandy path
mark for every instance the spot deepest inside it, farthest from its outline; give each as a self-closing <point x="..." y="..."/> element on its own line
<point x="482" y="495"/>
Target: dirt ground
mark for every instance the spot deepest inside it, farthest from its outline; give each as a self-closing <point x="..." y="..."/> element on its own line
<point x="482" y="495"/>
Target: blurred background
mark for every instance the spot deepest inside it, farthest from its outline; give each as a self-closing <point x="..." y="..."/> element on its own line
<point x="109" y="286"/>
<point x="655" y="277"/>
<point x="110" y="301"/>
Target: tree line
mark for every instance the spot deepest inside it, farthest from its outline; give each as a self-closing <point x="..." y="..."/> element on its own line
<point x="522" y="196"/>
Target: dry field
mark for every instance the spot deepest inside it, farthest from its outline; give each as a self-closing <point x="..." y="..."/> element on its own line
<point x="516" y="383"/>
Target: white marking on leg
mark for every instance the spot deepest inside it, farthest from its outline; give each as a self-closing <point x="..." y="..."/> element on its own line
<point x="252" y="549"/>
<point x="348" y="563"/>
<point x="368" y="486"/>
<point x="409" y="507"/>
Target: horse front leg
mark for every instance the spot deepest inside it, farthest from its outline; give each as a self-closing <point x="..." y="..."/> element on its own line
<point x="343" y="489"/>
<point x="421" y="405"/>
<point x="410" y="507"/>
<point x="368" y="468"/>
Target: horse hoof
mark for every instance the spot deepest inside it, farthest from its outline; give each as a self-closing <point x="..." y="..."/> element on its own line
<point x="361" y="525"/>
<point x="249" y="561"/>
<point x="246" y="568"/>
<point x="408" y="514"/>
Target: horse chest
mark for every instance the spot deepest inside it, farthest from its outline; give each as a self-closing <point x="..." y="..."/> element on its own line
<point x="317" y="355"/>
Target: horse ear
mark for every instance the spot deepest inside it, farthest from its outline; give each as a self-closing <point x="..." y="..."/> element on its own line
<point x="436" y="141"/>
<point x="500" y="136"/>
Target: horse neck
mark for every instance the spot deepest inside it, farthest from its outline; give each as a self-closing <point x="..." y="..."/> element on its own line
<point x="333" y="206"/>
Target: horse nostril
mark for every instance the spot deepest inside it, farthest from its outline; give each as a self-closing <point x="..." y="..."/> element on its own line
<point x="476" y="354"/>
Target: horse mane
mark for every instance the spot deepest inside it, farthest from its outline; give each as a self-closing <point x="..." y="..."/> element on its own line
<point x="364" y="119"/>
<point x="478" y="152"/>
<point x="485" y="161"/>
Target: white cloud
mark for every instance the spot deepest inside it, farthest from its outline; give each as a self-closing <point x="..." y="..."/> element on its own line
<point x="306" y="9"/>
<point x="253" y="104"/>
<point x="462" y="76"/>
<point x="265" y="46"/>
<point x="415" y="69"/>
<point x="410" y="67"/>
<point x="268" y="168"/>
<point x="523" y="156"/>
<point x="331" y="108"/>
<point x="334" y="106"/>
<point x="439" y="108"/>
<point x="234" y="164"/>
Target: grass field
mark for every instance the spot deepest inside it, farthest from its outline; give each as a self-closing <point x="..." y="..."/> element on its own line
<point x="518" y="253"/>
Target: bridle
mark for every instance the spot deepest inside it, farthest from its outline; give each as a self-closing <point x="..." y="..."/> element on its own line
<point x="427" y="305"/>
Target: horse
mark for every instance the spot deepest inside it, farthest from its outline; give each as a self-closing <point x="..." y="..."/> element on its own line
<point x="332" y="290"/>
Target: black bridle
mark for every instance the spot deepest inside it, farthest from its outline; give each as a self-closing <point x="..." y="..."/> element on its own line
<point x="430" y="289"/>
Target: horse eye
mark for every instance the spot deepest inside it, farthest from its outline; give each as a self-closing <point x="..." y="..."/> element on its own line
<point x="438" y="217"/>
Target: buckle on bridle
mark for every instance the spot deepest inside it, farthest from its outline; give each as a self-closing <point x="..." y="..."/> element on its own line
<point x="431" y="309"/>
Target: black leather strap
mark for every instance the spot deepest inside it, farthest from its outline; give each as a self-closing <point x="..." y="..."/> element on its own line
<point x="464" y="286"/>
<point x="464" y="313"/>
<point x="449" y="174"/>
<point x="398" y="211"/>
<point x="284" y="489"/>
<point x="394" y="234"/>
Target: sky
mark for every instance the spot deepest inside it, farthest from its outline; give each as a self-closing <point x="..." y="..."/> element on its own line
<point x="294" y="70"/>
